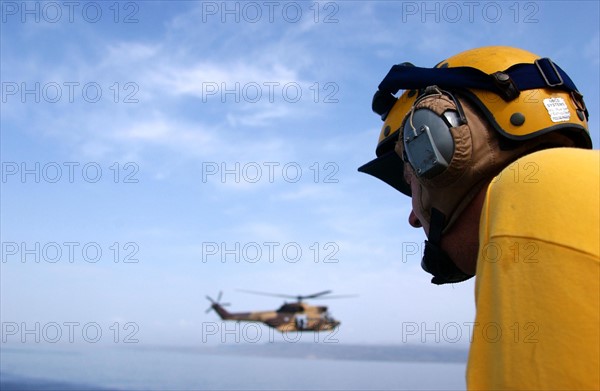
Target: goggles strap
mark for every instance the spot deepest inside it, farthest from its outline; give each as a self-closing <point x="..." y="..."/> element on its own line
<point x="508" y="84"/>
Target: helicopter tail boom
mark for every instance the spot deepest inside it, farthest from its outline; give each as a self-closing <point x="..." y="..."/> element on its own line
<point x="222" y="312"/>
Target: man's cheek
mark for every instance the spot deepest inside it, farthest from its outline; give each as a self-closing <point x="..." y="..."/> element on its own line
<point x="418" y="207"/>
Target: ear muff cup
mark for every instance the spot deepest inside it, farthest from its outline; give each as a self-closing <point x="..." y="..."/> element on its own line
<point x="444" y="117"/>
<point x="428" y="143"/>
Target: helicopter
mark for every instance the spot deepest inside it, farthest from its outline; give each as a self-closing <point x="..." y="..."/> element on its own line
<point x="296" y="316"/>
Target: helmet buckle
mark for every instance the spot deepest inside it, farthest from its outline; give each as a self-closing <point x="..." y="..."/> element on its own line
<point x="507" y="88"/>
<point x="546" y="64"/>
<point x="383" y="103"/>
<point x="577" y="98"/>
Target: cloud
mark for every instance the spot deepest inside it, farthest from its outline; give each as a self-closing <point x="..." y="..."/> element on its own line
<point x="178" y="103"/>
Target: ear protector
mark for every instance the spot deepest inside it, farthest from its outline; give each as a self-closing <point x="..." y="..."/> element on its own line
<point x="428" y="142"/>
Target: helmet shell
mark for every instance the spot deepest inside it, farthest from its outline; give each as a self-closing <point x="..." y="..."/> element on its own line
<point x="533" y="113"/>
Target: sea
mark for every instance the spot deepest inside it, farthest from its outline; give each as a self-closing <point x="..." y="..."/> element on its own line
<point x="160" y="368"/>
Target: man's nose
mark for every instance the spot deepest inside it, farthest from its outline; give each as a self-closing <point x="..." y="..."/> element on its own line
<point x="413" y="220"/>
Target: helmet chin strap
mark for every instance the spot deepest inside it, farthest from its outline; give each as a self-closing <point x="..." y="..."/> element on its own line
<point x="435" y="260"/>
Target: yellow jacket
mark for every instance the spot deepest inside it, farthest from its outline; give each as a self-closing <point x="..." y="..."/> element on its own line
<point x="538" y="273"/>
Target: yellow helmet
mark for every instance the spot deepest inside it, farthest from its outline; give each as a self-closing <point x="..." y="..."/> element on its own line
<point x="521" y="95"/>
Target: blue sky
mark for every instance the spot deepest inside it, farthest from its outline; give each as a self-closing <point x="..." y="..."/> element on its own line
<point x="180" y="133"/>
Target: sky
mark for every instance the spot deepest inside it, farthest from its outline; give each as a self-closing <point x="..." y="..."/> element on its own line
<point x="157" y="152"/>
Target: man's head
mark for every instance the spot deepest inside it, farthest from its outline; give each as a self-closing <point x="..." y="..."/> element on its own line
<point x="458" y="125"/>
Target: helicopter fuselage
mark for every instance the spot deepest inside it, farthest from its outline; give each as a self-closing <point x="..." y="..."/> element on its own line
<point x="289" y="317"/>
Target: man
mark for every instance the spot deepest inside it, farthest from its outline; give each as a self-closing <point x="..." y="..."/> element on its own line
<point x="493" y="147"/>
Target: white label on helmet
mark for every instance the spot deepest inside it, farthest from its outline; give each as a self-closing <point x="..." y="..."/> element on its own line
<point x="558" y="110"/>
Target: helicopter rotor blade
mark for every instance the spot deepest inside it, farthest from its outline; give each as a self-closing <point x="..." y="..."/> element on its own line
<point x="315" y="295"/>
<point x="298" y="297"/>
<point x="335" y="297"/>
<point x="215" y="302"/>
<point x="268" y="294"/>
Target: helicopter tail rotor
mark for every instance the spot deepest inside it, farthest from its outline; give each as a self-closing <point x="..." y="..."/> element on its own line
<point x="214" y="304"/>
